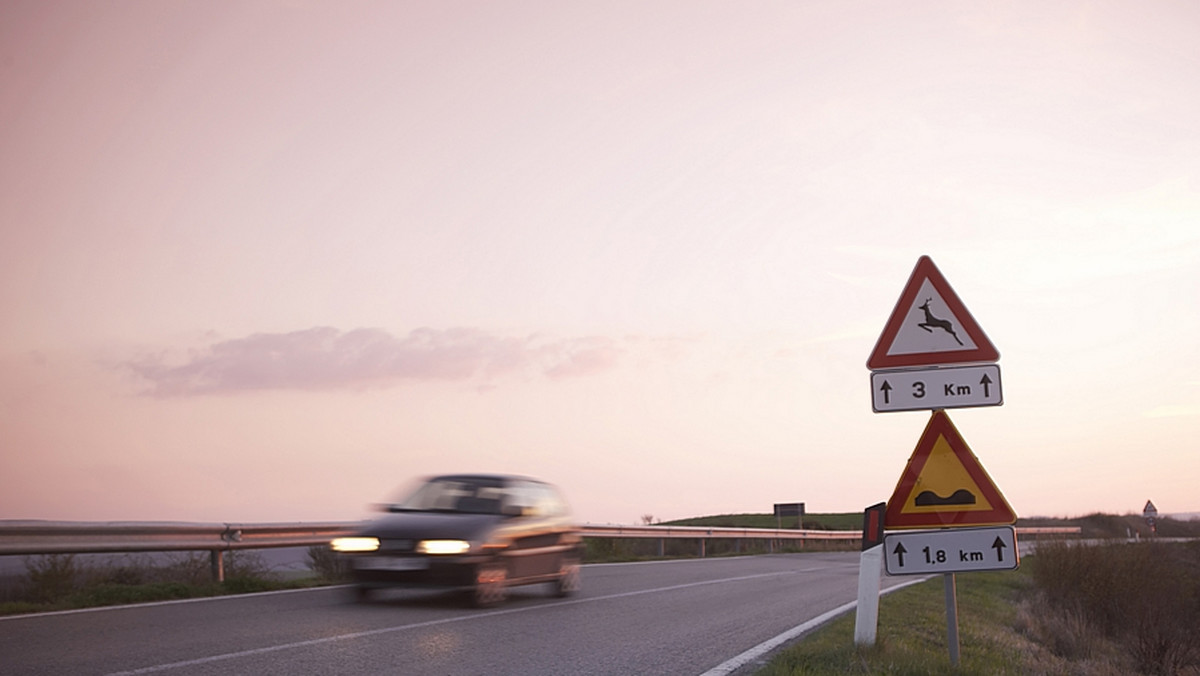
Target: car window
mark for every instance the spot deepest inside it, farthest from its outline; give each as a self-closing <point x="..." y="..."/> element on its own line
<point x="535" y="499"/>
<point x="551" y="502"/>
<point x="455" y="495"/>
<point x="521" y="499"/>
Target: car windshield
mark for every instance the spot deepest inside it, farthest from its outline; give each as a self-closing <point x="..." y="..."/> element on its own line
<point x="472" y="495"/>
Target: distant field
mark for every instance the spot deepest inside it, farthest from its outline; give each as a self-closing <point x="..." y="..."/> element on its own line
<point x="1092" y="526"/>
<point x="831" y="521"/>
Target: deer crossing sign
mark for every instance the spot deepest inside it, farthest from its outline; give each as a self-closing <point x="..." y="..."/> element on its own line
<point x="930" y="326"/>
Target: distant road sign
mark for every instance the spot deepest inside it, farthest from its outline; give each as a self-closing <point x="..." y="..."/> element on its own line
<point x="934" y="388"/>
<point x="789" y="509"/>
<point x="960" y="550"/>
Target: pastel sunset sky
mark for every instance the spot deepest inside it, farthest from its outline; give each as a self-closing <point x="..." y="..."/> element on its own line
<point x="270" y="260"/>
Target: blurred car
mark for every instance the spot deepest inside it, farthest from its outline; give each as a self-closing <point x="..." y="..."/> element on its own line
<point x="481" y="533"/>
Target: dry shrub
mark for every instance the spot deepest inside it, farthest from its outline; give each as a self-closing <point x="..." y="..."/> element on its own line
<point x="327" y="564"/>
<point x="1144" y="596"/>
<point x="52" y="577"/>
<point x="1065" y="631"/>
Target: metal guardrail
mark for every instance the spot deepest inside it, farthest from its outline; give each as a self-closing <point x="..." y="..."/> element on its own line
<point x="74" y="537"/>
<point x="78" y="537"/>
<point x="715" y="532"/>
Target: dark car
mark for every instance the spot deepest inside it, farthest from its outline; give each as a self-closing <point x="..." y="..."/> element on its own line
<point x="478" y="532"/>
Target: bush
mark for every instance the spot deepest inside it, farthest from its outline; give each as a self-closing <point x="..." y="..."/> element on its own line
<point x="1145" y="596"/>
<point x="246" y="564"/>
<point x="52" y="577"/>
<point x="327" y="565"/>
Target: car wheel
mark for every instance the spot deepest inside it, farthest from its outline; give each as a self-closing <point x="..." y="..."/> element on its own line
<point x="491" y="585"/>
<point x="568" y="581"/>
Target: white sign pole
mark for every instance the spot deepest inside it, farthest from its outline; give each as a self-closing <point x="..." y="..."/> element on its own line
<point x="870" y="569"/>
<point x="866" y="617"/>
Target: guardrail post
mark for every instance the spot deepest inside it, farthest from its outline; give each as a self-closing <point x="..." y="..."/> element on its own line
<point x="662" y="547"/>
<point x="217" y="559"/>
<point x="702" y="547"/>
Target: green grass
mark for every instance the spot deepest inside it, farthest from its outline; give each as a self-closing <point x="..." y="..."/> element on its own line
<point x="912" y="634"/>
<point x="1092" y="526"/>
<point x="831" y="521"/>
<point x="1107" y="609"/>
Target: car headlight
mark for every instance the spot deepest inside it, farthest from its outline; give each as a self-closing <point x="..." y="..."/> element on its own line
<point x="443" y="547"/>
<point x="355" y="544"/>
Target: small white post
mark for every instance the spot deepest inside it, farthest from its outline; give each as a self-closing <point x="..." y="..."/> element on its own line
<point x="866" y="617"/>
<point x="870" y="570"/>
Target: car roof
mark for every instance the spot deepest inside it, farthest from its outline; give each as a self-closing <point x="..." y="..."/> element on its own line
<point x="500" y="478"/>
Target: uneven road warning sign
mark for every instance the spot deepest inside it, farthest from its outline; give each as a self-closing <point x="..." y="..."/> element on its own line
<point x="930" y="325"/>
<point x="944" y="485"/>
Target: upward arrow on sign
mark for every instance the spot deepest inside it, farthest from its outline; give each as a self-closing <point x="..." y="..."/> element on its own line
<point x="930" y="325"/>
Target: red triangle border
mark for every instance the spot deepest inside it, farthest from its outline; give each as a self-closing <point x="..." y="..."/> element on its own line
<point x="940" y="425"/>
<point x="984" y="351"/>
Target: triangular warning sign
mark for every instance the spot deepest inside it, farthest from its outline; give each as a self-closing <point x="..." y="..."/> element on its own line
<point x="930" y="325"/>
<point x="944" y="485"/>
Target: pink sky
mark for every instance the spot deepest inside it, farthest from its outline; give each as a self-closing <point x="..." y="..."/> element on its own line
<point x="267" y="261"/>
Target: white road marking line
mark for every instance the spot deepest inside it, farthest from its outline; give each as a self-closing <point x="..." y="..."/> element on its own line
<point x="729" y="666"/>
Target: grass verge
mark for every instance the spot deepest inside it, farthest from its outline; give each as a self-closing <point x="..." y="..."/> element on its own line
<point x="61" y="582"/>
<point x="912" y="634"/>
<point x="1105" y="609"/>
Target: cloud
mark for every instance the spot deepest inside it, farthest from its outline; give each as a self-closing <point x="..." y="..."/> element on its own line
<point x="1174" y="411"/>
<point x="324" y="358"/>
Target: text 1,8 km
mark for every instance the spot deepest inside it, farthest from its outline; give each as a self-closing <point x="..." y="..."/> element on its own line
<point x="936" y="388"/>
<point x="951" y="551"/>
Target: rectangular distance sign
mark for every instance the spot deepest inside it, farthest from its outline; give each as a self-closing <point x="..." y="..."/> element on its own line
<point x="934" y="388"/>
<point x="958" y="550"/>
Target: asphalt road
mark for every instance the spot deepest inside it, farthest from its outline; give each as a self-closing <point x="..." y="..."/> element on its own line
<point x="678" y="617"/>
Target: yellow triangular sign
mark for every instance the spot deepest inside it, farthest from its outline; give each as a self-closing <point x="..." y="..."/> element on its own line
<point x="944" y="485"/>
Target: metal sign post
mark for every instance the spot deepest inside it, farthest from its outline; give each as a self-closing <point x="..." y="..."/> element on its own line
<point x="952" y="617"/>
<point x="795" y="509"/>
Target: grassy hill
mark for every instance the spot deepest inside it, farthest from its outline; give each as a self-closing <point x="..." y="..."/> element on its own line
<point x="1092" y="526"/>
<point x="1106" y="526"/>
<point x="832" y="521"/>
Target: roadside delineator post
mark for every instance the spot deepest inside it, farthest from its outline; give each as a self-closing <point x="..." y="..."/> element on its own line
<point x="870" y="570"/>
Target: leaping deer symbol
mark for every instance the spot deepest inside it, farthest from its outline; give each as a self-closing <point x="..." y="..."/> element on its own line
<point x="932" y="322"/>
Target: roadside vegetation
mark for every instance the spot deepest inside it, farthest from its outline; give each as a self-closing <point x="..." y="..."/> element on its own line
<point x="65" y="581"/>
<point x="830" y="521"/>
<point x="604" y="550"/>
<point x="1108" y="609"/>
